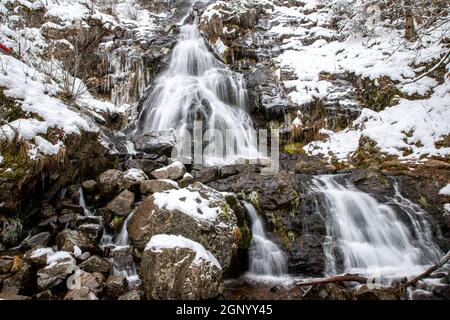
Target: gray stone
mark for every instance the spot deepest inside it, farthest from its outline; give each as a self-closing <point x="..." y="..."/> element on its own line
<point x="96" y="264"/>
<point x="174" y="171"/>
<point x="158" y="142"/>
<point x="149" y="187"/>
<point x="68" y="239"/>
<point x="123" y="204"/>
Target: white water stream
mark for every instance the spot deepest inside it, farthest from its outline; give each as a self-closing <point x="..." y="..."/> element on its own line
<point x="266" y="258"/>
<point x="197" y="87"/>
<point x="372" y="238"/>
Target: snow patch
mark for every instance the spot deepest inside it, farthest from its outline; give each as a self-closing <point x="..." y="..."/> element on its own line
<point x="165" y="241"/>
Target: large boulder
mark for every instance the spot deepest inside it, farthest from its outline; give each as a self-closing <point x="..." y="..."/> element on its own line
<point x="174" y="267"/>
<point x="123" y="204"/>
<point x="158" y="142"/>
<point x="69" y="239"/>
<point x="110" y="182"/>
<point x="196" y="212"/>
<point x="132" y="178"/>
<point x="21" y="278"/>
<point x="59" y="266"/>
<point x="96" y="264"/>
<point x="149" y="187"/>
<point x="175" y="171"/>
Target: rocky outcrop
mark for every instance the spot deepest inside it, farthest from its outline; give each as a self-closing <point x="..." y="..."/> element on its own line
<point x="174" y="267"/>
<point x="197" y="212"/>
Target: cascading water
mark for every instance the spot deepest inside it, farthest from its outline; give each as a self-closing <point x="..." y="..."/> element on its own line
<point x="266" y="258"/>
<point x="367" y="237"/>
<point x="197" y="87"/>
<point x="82" y="203"/>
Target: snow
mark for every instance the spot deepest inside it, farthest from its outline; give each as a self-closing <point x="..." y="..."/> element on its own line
<point x="165" y="241"/>
<point x="445" y="190"/>
<point x="187" y="201"/>
<point x="135" y="175"/>
<point x="1" y="159"/>
<point x="176" y="164"/>
<point x="447" y="209"/>
<point x="59" y="256"/>
<point x="42" y="252"/>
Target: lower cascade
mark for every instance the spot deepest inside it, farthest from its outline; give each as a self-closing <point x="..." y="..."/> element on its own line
<point x="369" y="237"/>
<point x="266" y="258"/>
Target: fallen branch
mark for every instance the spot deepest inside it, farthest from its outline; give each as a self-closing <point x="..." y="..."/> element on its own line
<point x="429" y="271"/>
<point x="336" y="279"/>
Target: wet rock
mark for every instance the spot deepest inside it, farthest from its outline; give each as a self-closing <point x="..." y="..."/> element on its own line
<point x="80" y="294"/>
<point x="38" y="257"/>
<point x="110" y="182"/>
<point x="89" y="186"/>
<point x="228" y="171"/>
<point x="158" y="142"/>
<point x="96" y="264"/>
<point x="92" y="230"/>
<point x="149" y="187"/>
<point x="73" y="193"/>
<point x="10" y="231"/>
<point x="306" y="256"/>
<point x="115" y="286"/>
<point x="6" y="264"/>
<point x="12" y="297"/>
<point x="67" y="218"/>
<point x="47" y="211"/>
<point x="21" y="279"/>
<point x="205" y="174"/>
<point x="132" y="295"/>
<point x="197" y="212"/>
<point x="132" y="178"/>
<point x="123" y="204"/>
<point x="185" y="271"/>
<point x="59" y="266"/>
<point x="38" y="240"/>
<point x="442" y="292"/>
<point x="123" y="258"/>
<point x="44" y="295"/>
<point x="67" y="240"/>
<point x="69" y="205"/>
<point x="186" y="181"/>
<point x="92" y="281"/>
<point x="175" y="171"/>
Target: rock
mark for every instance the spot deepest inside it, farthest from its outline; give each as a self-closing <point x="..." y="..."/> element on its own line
<point x="132" y="295"/>
<point x="228" y="171"/>
<point x="92" y="230"/>
<point x="67" y="240"/>
<point x="197" y="212"/>
<point x="123" y="257"/>
<point x="132" y="178"/>
<point x="92" y="281"/>
<point x="59" y="266"/>
<point x="12" y="297"/>
<point x="110" y="182"/>
<point x="158" y="142"/>
<point x="84" y="256"/>
<point x="149" y="187"/>
<point x="69" y="205"/>
<point x="442" y="291"/>
<point x="115" y="286"/>
<point x="205" y="174"/>
<point x="38" y="240"/>
<point x="96" y="264"/>
<point x="10" y="231"/>
<point x="67" y="218"/>
<point x="175" y="171"/>
<point x="73" y="193"/>
<point x="80" y="294"/>
<point x="47" y="211"/>
<point x="38" y="257"/>
<point x="174" y="267"/>
<point x="20" y="281"/>
<point x="187" y="180"/>
<point x="89" y="186"/>
<point x="44" y="295"/>
<point x="123" y="204"/>
<point x="306" y="256"/>
<point x="6" y="264"/>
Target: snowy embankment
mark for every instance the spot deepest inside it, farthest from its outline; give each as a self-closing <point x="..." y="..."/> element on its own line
<point x="39" y="82"/>
<point x="408" y="130"/>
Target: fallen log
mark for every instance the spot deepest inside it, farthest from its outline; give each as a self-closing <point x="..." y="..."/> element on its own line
<point x="336" y="279"/>
<point x="427" y="272"/>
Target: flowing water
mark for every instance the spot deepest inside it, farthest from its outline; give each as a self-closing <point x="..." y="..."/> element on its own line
<point x="266" y="258"/>
<point x="369" y="237"/>
<point x="197" y="87"/>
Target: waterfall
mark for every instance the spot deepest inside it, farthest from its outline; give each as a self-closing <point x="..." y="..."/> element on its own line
<point x="266" y="259"/>
<point x="82" y="203"/>
<point x="368" y="237"/>
<point x="197" y="87"/>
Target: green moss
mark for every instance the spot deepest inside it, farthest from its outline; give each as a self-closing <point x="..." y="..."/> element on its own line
<point x="226" y="212"/>
<point x="117" y="222"/>
<point x="11" y="110"/>
<point x="295" y="203"/>
<point x="16" y="162"/>
<point x="246" y="236"/>
<point x="254" y="200"/>
<point x="294" y="148"/>
<point x="423" y="201"/>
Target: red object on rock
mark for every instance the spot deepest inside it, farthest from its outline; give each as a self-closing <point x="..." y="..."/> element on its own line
<point x="5" y="49"/>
